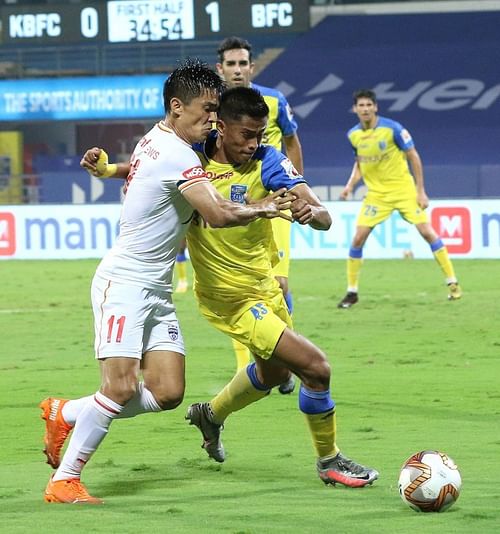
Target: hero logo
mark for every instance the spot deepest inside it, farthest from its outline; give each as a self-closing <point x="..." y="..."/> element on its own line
<point x="448" y="95"/>
<point x="7" y="234"/>
<point x="453" y="226"/>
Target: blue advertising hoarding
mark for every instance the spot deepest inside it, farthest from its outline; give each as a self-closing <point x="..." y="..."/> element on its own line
<point x="86" y="98"/>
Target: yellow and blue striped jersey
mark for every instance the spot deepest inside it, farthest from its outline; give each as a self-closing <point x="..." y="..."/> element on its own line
<point x="381" y="153"/>
<point x="236" y="262"/>
<point x="281" y="122"/>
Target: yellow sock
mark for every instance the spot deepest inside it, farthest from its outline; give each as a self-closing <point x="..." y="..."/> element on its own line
<point x="444" y="262"/>
<point x="239" y="393"/>
<point x="180" y="269"/>
<point x="242" y="355"/>
<point x="323" y="430"/>
<point x="353" y="269"/>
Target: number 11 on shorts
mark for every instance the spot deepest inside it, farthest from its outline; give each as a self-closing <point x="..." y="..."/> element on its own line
<point x="111" y="324"/>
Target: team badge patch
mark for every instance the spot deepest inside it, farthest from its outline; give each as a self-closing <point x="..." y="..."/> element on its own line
<point x="238" y="192"/>
<point x="291" y="171"/>
<point x="382" y="145"/>
<point x="405" y="136"/>
<point x="173" y="332"/>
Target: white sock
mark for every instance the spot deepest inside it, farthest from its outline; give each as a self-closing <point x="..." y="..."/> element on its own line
<point x="72" y="408"/>
<point x="91" y="427"/>
<point x="142" y="402"/>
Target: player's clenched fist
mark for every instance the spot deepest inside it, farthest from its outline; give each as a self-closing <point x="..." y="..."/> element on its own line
<point x="95" y="161"/>
<point x="302" y="211"/>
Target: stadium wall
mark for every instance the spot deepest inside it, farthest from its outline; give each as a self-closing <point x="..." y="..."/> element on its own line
<point x="470" y="229"/>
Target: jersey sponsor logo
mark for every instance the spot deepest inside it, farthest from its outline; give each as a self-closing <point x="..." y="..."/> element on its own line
<point x="290" y="169"/>
<point x="238" y="192"/>
<point x="224" y="176"/>
<point x="173" y="332"/>
<point x="373" y="159"/>
<point x="194" y="172"/>
<point x="454" y="227"/>
<point x="405" y="136"/>
<point x="7" y="234"/>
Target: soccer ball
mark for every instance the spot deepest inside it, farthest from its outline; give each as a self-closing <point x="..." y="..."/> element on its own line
<point x="429" y="482"/>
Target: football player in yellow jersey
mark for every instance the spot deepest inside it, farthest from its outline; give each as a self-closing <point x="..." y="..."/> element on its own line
<point x="383" y="149"/>
<point x="236" y="67"/>
<point x="238" y="293"/>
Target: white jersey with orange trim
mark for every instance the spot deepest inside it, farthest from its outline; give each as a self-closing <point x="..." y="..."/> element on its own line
<point x="155" y="214"/>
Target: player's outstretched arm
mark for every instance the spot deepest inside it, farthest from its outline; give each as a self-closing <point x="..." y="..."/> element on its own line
<point x="306" y="208"/>
<point x="219" y="212"/>
<point x="95" y="161"/>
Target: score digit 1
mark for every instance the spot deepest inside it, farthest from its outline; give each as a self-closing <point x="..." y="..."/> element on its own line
<point x="212" y="10"/>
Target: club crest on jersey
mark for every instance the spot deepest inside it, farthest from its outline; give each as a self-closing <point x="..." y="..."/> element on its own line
<point x="382" y="145"/>
<point x="291" y="171"/>
<point x="238" y="192"/>
<point x="173" y="332"/>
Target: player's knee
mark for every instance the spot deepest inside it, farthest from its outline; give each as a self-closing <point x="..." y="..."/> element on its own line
<point x="168" y="399"/>
<point x="120" y="391"/>
<point x="323" y="371"/>
<point x="317" y="374"/>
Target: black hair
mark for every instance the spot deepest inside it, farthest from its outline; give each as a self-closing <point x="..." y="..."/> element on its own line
<point x="242" y="101"/>
<point x="364" y="93"/>
<point x="234" y="43"/>
<point x="189" y="80"/>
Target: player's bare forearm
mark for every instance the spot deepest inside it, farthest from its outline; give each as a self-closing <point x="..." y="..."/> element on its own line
<point x="418" y="175"/>
<point x="221" y="213"/>
<point x="354" y="178"/>
<point x="417" y="168"/>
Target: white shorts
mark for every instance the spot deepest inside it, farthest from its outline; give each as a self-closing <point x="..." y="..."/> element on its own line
<point x="130" y="320"/>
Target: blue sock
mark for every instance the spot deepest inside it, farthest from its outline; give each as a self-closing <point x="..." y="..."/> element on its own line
<point x="252" y="375"/>
<point x="355" y="252"/>
<point x="312" y="402"/>
<point x="437" y="245"/>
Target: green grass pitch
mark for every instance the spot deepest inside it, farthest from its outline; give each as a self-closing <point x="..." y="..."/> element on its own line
<point x="411" y="371"/>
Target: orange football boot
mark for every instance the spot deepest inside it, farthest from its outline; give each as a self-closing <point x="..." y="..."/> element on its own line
<point x="56" y="429"/>
<point x="70" y="491"/>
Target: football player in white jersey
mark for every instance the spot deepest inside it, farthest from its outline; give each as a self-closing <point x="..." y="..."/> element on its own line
<point x="136" y="328"/>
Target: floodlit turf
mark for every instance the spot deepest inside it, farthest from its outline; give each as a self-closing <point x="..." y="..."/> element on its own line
<point x="411" y="371"/>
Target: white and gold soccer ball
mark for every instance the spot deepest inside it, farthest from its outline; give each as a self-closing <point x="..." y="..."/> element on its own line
<point x="429" y="482"/>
